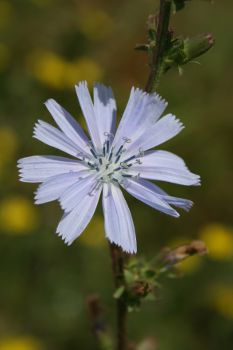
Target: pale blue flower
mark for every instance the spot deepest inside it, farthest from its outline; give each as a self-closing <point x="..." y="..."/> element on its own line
<point x="110" y="160"/>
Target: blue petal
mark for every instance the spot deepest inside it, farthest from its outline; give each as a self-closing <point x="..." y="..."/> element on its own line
<point x="145" y="193"/>
<point x="74" y="223"/>
<point x="119" y="225"/>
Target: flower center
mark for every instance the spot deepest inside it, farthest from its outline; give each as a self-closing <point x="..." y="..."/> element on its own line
<point x="108" y="164"/>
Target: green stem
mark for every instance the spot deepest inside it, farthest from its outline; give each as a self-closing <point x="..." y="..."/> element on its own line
<point x="161" y="39"/>
<point x="118" y="272"/>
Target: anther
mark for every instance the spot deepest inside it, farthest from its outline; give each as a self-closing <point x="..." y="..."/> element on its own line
<point x="124" y="165"/>
<point x="109" y="135"/>
<point x="137" y="176"/>
<point x="141" y="152"/>
<point x="129" y="159"/>
<point x="126" y="175"/>
<point x="119" y="150"/>
<point x="93" y="153"/>
<point x="126" y="139"/>
<point x="111" y="154"/>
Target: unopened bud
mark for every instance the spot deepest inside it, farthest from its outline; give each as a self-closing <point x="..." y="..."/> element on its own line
<point x="197" y="46"/>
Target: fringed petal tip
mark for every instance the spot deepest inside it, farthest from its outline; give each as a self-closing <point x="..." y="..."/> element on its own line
<point x="80" y="84"/>
<point x="153" y="96"/>
<point x="198" y="181"/>
<point x="184" y="204"/>
<point x="37" y="199"/>
<point x="174" y="214"/>
<point x="64" y="238"/>
<point x="124" y="249"/>
<point x="189" y="205"/>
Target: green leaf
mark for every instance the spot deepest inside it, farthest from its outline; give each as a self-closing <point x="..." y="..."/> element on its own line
<point x="179" y="4"/>
<point x="129" y="276"/>
<point x="118" y="293"/>
<point x="150" y="274"/>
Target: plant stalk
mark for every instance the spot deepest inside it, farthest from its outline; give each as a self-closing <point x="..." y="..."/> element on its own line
<point x="161" y="39"/>
<point x="117" y="256"/>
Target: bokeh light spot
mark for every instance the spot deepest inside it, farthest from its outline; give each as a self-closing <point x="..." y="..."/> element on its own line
<point x="20" y="343"/>
<point x="219" y="240"/>
<point x="18" y="215"/>
<point x="8" y="145"/>
<point x="96" y="25"/>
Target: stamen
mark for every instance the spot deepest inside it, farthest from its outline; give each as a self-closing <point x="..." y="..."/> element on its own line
<point x="104" y="151"/>
<point x="140" y="155"/>
<point x="92" y="149"/>
<point x="124" y="165"/>
<point x="107" y="144"/>
<point x="129" y="159"/>
<point x="138" y="161"/>
<point x="126" y="139"/>
<point x="93" y="153"/>
<point x="109" y="137"/>
<point x="116" y="160"/>
<point x="111" y="154"/>
<point x="119" y="150"/>
<point x="89" y="163"/>
<point x="141" y="152"/>
<point x="127" y="175"/>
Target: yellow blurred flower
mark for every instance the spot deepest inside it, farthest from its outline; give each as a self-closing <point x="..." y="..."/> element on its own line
<point x="82" y="69"/>
<point x="47" y="68"/>
<point x="20" y="343"/>
<point x="56" y="72"/>
<point x="8" y="145"/>
<point x="94" y="234"/>
<point x="221" y="299"/>
<point x="96" y="25"/>
<point x="191" y="264"/>
<point x="219" y="240"/>
<point x="18" y="215"/>
<point x="4" y="56"/>
<point x="6" y="12"/>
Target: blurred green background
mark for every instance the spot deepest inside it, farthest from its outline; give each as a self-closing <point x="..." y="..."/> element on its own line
<point x="46" y="46"/>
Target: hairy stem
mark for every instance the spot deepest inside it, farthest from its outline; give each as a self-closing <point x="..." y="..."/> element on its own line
<point x="161" y="39"/>
<point x="118" y="272"/>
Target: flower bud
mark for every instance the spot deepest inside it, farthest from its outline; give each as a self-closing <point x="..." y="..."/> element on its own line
<point x="198" y="45"/>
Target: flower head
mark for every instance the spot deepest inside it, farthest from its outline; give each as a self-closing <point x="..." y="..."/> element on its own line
<point x="109" y="160"/>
